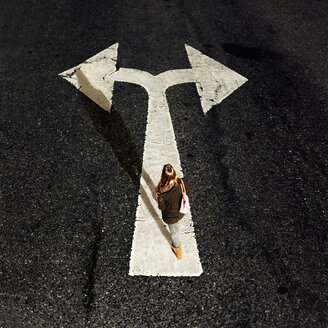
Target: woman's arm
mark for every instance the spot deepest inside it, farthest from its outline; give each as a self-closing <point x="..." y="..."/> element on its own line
<point x="161" y="203"/>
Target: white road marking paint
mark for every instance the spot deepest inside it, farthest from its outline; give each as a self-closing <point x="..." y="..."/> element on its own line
<point x="214" y="81"/>
<point x="89" y="77"/>
<point x="151" y="254"/>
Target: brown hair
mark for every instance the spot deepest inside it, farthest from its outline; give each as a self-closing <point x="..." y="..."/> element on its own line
<point x="168" y="174"/>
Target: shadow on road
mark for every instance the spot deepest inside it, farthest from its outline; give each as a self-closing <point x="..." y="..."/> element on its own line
<point x="87" y="88"/>
<point x="255" y="53"/>
<point x="113" y="129"/>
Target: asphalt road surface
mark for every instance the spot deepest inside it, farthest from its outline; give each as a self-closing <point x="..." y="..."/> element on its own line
<point x="257" y="164"/>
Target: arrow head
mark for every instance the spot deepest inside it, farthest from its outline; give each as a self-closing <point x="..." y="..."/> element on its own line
<point x="214" y="81"/>
<point x="89" y="77"/>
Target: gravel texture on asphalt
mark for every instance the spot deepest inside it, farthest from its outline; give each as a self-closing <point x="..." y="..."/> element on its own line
<point x="257" y="164"/>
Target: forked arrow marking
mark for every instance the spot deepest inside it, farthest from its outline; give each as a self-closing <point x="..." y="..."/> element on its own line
<point x="150" y="253"/>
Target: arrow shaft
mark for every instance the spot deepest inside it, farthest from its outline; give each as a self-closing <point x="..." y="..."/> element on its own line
<point x="160" y="148"/>
<point x="151" y="253"/>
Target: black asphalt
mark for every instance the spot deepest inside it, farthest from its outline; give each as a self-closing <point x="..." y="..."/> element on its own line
<point x="257" y="164"/>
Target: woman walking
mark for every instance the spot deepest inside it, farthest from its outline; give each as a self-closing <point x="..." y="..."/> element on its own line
<point x="168" y="195"/>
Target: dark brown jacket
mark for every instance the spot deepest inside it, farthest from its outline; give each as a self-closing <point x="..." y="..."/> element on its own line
<point x="169" y="203"/>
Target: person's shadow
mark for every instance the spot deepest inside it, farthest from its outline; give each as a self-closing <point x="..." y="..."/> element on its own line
<point x="112" y="128"/>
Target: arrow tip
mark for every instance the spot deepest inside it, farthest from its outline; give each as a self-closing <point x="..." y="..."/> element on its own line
<point x="89" y="76"/>
<point x="214" y="81"/>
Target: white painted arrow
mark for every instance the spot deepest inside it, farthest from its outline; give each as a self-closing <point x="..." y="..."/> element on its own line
<point x="151" y="254"/>
<point x="214" y="81"/>
<point x="89" y="77"/>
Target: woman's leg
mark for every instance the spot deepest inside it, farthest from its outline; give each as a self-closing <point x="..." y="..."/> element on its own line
<point x="174" y="234"/>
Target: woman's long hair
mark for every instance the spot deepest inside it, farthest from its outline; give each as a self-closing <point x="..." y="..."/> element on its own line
<point x="168" y="174"/>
